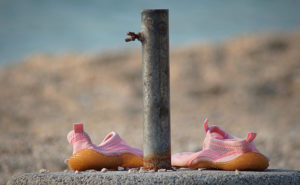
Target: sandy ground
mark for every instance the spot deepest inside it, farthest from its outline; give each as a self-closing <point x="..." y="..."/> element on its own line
<point x="246" y="84"/>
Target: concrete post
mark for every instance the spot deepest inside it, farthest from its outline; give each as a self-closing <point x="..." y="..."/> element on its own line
<point x="156" y="87"/>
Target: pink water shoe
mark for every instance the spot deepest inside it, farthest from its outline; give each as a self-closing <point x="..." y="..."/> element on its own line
<point x="111" y="153"/>
<point x="223" y="151"/>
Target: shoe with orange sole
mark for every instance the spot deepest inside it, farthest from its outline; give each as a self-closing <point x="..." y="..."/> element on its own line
<point x="223" y="151"/>
<point x="111" y="153"/>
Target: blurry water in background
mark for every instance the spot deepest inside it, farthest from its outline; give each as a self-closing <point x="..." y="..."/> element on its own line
<point x="33" y="26"/>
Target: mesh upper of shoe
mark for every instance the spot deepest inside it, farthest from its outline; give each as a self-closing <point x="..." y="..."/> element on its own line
<point x="112" y="144"/>
<point x="222" y="142"/>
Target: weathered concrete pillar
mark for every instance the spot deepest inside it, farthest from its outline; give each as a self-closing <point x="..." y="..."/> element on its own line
<point x="156" y="87"/>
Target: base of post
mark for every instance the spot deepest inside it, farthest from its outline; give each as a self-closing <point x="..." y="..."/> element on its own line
<point x="271" y="176"/>
<point x="157" y="163"/>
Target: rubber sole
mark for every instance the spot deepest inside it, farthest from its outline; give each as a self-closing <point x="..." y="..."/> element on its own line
<point x="87" y="159"/>
<point x="248" y="161"/>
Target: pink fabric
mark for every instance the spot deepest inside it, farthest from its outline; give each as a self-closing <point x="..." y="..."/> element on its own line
<point x="112" y="144"/>
<point x="218" y="146"/>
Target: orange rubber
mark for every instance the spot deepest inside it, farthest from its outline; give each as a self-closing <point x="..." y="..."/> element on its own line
<point x="90" y="159"/>
<point x="247" y="161"/>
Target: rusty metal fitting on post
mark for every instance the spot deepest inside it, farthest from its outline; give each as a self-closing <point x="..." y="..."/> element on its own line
<point x="134" y="36"/>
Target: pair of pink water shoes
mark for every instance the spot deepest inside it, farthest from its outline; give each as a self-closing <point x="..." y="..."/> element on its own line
<point x="220" y="151"/>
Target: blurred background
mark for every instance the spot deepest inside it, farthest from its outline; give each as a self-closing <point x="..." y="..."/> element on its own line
<point x="236" y="63"/>
<point x="29" y="27"/>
